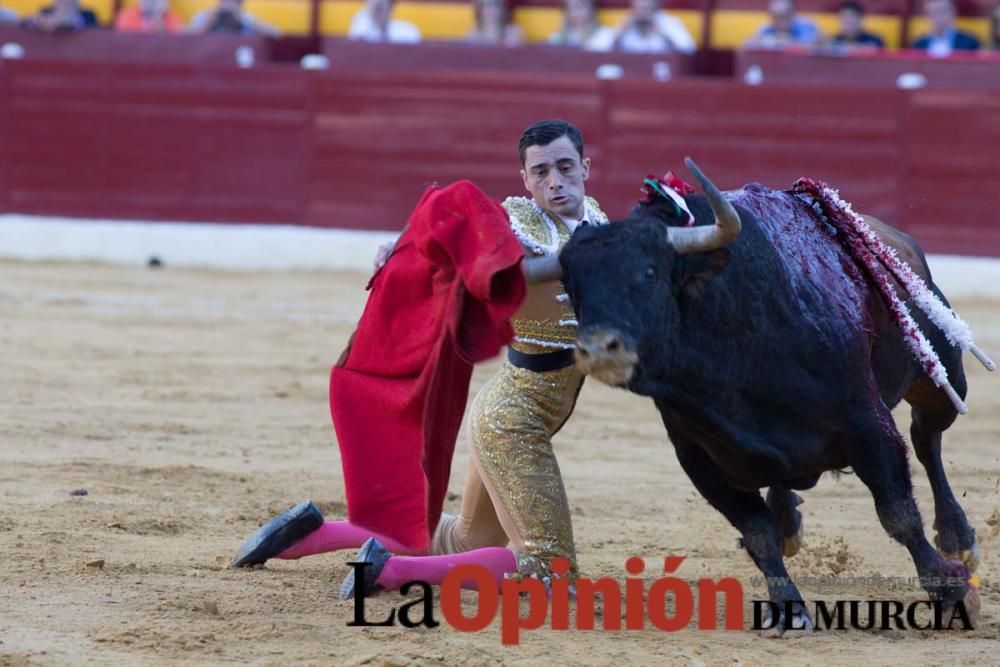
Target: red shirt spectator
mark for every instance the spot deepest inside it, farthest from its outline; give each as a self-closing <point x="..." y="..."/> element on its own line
<point x="149" y="16"/>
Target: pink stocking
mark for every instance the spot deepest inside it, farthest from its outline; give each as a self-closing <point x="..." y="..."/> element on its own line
<point x="337" y="535"/>
<point x="400" y="569"/>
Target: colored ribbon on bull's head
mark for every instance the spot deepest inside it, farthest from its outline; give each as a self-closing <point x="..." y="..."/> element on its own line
<point x="672" y="189"/>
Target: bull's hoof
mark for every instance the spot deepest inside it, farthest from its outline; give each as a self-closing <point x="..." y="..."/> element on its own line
<point x="790" y="544"/>
<point x="800" y="620"/>
<point x="782" y="504"/>
<point x="969" y="557"/>
<point x="971" y="602"/>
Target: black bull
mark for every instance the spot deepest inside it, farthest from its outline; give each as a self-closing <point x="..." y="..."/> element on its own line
<point x="771" y="361"/>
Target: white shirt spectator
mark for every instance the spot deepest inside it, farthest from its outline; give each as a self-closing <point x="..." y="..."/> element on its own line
<point x="602" y="38"/>
<point x="669" y="35"/>
<point x="364" y="29"/>
<point x="939" y="47"/>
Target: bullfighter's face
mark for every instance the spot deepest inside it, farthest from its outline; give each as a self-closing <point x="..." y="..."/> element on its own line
<point x="555" y="175"/>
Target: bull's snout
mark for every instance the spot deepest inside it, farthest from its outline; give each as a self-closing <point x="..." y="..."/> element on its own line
<point x="606" y="354"/>
<point x="597" y="344"/>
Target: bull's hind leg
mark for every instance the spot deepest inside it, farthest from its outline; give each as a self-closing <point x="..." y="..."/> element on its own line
<point x="878" y="456"/>
<point x="932" y="413"/>
<point x="758" y="526"/>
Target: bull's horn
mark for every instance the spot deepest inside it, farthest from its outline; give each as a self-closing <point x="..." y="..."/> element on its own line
<point x="704" y="238"/>
<point x="542" y="269"/>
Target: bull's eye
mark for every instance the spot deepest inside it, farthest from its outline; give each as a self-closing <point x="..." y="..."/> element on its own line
<point x="649" y="273"/>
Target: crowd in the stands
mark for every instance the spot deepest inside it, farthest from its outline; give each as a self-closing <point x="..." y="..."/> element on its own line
<point x="646" y="27"/>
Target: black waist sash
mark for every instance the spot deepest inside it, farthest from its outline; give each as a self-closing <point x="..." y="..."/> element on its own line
<point x="542" y="363"/>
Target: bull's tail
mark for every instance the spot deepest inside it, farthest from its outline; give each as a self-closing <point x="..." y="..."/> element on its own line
<point x="880" y="261"/>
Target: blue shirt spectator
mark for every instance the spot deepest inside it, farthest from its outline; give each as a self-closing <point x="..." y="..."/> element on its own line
<point x="785" y="29"/>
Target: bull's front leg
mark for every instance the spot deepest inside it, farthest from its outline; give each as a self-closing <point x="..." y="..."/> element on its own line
<point x="759" y="527"/>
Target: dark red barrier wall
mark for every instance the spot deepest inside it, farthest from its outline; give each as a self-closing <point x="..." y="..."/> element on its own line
<point x="276" y="144"/>
<point x="964" y="71"/>
<point x="349" y="56"/>
<point x="176" y="142"/>
<point x="948" y="171"/>
<point x="379" y="140"/>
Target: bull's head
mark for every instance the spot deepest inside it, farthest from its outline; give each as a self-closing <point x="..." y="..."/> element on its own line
<point x="625" y="280"/>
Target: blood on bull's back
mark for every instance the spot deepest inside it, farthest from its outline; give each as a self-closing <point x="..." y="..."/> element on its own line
<point x="830" y="290"/>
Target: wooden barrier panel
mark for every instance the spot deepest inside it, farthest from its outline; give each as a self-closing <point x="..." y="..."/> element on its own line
<point x="948" y="171"/>
<point x="379" y="140"/>
<point x="347" y="56"/>
<point x="7" y="129"/>
<point x="771" y="135"/>
<point x="355" y="147"/>
<point x="89" y="45"/>
<point x="175" y="142"/>
<point x="973" y="71"/>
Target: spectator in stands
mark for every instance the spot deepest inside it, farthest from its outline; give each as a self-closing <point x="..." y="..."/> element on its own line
<point x="62" y="16"/>
<point x="149" y="16"/>
<point x="649" y="29"/>
<point x="581" y="29"/>
<point x="7" y="16"/>
<point x="944" y="38"/>
<point x="228" y="16"/>
<point x="494" y="26"/>
<point x="995" y="28"/>
<point x="374" y="23"/>
<point x="785" y="29"/>
<point x="852" y="34"/>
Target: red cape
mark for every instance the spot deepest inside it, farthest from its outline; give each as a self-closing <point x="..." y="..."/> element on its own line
<point x="441" y="303"/>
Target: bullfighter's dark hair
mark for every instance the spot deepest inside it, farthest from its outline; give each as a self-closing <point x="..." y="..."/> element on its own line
<point x="852" y="5"/>
<point x="544" y="132"/>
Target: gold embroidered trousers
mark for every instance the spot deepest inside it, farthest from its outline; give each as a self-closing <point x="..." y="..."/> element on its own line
<point x="513" y="419"/>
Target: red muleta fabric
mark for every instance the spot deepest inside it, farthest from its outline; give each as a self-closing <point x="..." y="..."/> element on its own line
<point x="441" y="303"/>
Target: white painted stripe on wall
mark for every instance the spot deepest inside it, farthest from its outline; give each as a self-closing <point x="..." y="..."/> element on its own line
<point x="189" y="244"/>
<point x="282" y="247"/>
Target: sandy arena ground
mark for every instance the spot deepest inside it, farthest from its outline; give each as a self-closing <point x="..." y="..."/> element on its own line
<point x="191" y="405"/>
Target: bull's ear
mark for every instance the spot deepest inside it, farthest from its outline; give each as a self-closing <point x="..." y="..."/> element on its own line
<point x="700" y="269"/>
